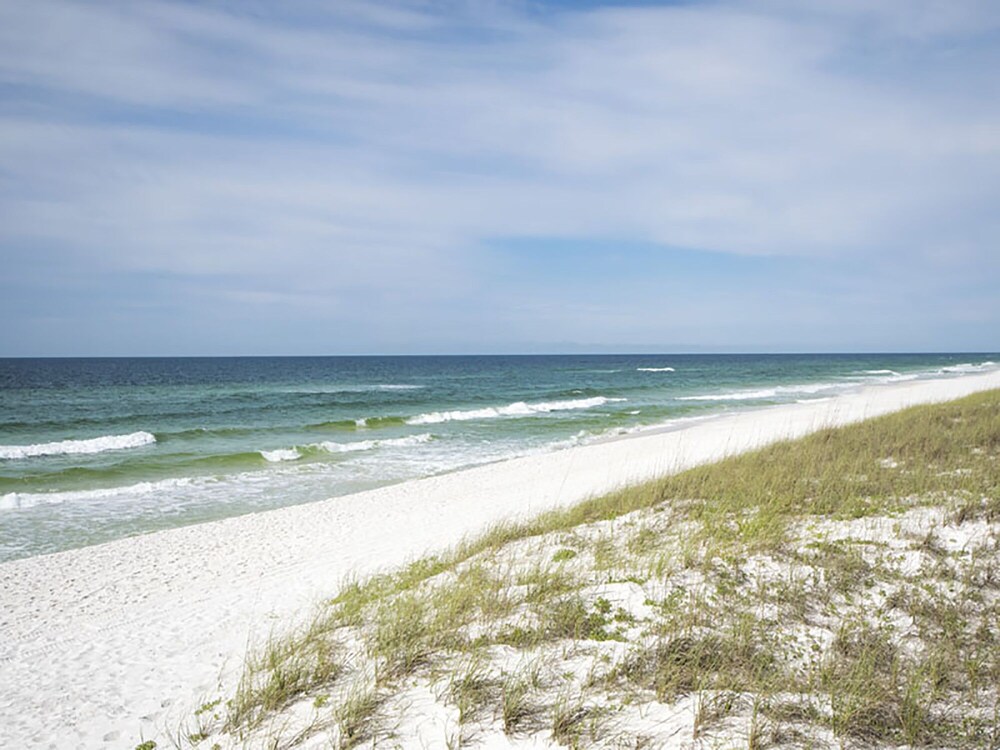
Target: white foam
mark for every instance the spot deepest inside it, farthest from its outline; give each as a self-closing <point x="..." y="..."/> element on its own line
<point x="19" y="500"/>
<point x="281" y="454"/>
<point x="518" y="409"/>
<point x="763" y="393"/>
<point x="65" y="447"/>
<point x="367" y="445"/>
<point x="737" y="396"/>
<point x="966" y="367"/>
<point x="655" y="369"/>
<point x="581" y="438"/>
<point x="882" y="376"/>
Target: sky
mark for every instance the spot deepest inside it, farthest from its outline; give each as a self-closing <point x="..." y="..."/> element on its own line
<point x="357" y="177"/>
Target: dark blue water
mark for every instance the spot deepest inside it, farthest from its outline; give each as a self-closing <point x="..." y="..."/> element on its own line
<point x="96" y="449"/>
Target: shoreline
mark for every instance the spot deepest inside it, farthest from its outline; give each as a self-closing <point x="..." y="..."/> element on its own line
<point x="124" y="626"/>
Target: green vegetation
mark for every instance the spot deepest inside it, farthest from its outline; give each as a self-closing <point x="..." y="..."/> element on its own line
<point x="836" y="590"/>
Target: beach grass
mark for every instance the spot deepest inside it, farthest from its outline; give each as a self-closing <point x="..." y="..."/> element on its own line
<point x="842" y="589"/>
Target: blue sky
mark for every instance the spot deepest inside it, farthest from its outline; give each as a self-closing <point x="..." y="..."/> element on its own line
<point x="310" y="177"/>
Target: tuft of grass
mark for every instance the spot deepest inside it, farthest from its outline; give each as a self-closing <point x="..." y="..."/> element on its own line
<point x="544" y="582"/>
<point x="472" y="690"/>
<point x="682" y="664"/>
<point x="568" y="617"/>
<point x="711" y="707"/>
<point x="402" y="638"/>
<point x="283" y="672"/>
<point x="517" y="711"/>
<point x="862" y="678"/>
<point x="645" y="541"/>
<point x="570" y="720"/>
<point x="356" y="716"/>
<point x="844" y="567"/>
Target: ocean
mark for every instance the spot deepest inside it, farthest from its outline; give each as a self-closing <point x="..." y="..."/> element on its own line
<point x="93" y="450"/>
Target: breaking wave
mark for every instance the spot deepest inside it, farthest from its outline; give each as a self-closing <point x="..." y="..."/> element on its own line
<point x="517" y="409"/>
<point x="350" y="425"/>
<point x="968" y="367"/>
<point x="763" y="393"/>
<point x="367" y="445"/>
<point x="66" y="447"/>
<point x="281" y="454"/>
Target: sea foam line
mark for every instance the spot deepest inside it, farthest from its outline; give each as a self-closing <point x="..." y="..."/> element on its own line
<point x="367" y="445"/>
<point x="517" y="409"/>
<point x="281" y="454"/>
<point x="763" y="393"/>
<point x="329" y="446"/>
<point x="66" y="447"/>
<point x="968" y="367"/>
<point x="655" y="369"/>
<point x="19" y="500"/>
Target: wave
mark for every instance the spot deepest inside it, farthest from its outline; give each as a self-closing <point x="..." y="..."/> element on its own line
<point x="357" y="424"/>
<point x="66" y="447"/>
<point x="20" y="500"/>
<point x="367" y="445"/>
<point x="281" y="454"/>
<point x="517" y="409"/>
<point x="882" y="376"/>
<point x="655" y="369"/>
<point x="763" y="393"/>
<point x="968" y="367"/>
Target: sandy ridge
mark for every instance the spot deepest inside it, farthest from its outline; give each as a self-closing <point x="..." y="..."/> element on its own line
<point x="109" y="642"/>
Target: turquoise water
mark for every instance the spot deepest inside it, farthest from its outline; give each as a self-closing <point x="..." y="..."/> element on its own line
<point x="96" y="449"/>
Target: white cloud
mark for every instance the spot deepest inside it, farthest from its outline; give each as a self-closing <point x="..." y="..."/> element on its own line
<point x="381" y="146"/>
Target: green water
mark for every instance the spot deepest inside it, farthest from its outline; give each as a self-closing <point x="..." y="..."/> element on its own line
<point x="97" y="449"/>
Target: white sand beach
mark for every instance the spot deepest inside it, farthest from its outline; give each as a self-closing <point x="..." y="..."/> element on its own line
<point x="109" y="645"/>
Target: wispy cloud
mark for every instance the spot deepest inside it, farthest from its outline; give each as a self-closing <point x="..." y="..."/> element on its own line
<point x="305" y="157"/>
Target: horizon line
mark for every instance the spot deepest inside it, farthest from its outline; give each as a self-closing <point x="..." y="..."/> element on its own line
<point x="504" y="354"/>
